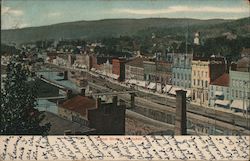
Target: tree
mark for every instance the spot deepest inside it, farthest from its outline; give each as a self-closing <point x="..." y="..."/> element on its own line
<point x="18" y="99"/>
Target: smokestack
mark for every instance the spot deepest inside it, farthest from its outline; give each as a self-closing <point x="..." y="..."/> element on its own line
<point x="115" y="100"/>
<point x="82" y="92"/>
<point x="65" y="75"/>
<point x="181" y="113"/>
<point x="132" y="104"/>
<point x="98" y="102"/>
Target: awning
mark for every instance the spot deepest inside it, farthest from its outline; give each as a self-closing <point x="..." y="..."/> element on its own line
<point x="222" y="102"/>
<point x="114" y="76"/>
<point x="239" y="104"/>
<point x="218" y="93"/>
<point x="132" y="81"/>
<point x="167" y="88"/>
<point x="141" y="83"/>
<point x="173" y="89"/>
<point x="151" y="85"/>
<point x="188" y="94"/>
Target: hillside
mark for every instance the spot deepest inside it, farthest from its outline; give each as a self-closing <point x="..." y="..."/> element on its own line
<point x="113" y="27"/>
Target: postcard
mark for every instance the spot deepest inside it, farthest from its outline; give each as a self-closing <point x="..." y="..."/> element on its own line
<point x="125" y="80"/>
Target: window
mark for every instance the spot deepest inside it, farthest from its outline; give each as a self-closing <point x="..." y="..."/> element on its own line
<point x="202" y="73"/>
<point x="206" y="84"/>
<point x="198" y="82"/>
<point x="194" y="82"/>
<point x="206" y="74"/>
<point x="232" y="93"/>
<point x="202" y="83"/>
<point x="198" y="73"/>
<point x="194" y="73"/>
<point x="236" y="93"/>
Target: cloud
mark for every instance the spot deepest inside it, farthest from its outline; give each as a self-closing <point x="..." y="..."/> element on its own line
<point x="54" y="14"/>
<point x="178" y="9"/>
<point x="11" y="11"/>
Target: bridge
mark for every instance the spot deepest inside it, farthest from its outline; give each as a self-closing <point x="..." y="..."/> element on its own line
<point x="51" y="98"/>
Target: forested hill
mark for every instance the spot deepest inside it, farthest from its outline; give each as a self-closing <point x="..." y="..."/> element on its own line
<point x="116" y="27"/>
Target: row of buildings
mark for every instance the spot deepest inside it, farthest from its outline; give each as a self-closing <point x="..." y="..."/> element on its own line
<point x="209" y="81"/>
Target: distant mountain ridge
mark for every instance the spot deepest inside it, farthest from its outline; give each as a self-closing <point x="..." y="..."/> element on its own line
<point x="109" y="27"/>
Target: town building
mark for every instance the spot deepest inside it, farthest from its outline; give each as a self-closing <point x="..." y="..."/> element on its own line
<point x="107" y="118"/>
<point x="61" y="126"/>
<point x="205" y="71"/>
<point x="240" y="85"/>
<point x="107" y="68"/>
<point x="82" y="61"/>
<point x="197" y="38"/>
<point x="134" y="69"/>
<point x="149" y="71"/>
<point x="219" y="92"/>
<point x="75" y="109"/>
<point x="245" y="52"/>
<point x="71" y="59"/>
<point x="163" y="72"/>
<point x="61" y="60"/>
<point x="182" y="71"/>
<point x="119" y="68"/>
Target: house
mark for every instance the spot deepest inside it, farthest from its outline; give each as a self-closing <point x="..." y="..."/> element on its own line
<point x="76" y="109"/>
<point x="61" y="60"/>
<point x="245" y="52"/>
<point x="105" y="118"/>
<point x="204" y="71"/>
<point x="219" y="92"/>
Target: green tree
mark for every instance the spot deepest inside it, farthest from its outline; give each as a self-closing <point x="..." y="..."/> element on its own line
<point x="18" y="99"/>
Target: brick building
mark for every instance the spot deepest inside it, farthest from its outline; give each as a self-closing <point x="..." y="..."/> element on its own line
<point x="107" y="118"/>
<point x="119" y="68"/>
<point x="134" y="69"/>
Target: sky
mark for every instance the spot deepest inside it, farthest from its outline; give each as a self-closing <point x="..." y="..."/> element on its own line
<point x="29" y="13"/>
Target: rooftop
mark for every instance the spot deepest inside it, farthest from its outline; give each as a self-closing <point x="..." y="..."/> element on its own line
<point x="137" y="62"/>
<point x="59" y="125"/>
<point x="243" y="63"/>
<point x="245" y="51"/>
<point x="223" y="80"/>
<point x="79" y="104"/>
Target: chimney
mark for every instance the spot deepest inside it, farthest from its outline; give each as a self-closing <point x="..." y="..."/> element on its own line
<point x="114" y="100"/>
<point x="65" y="75"/>
<point x="181" y="113"/>
<point x="132" y="103"/>
<point x="233" y="66"/>
<point x="82" y="92"/>
<point x="69" y="94"/>
<point x="98" y="102"/>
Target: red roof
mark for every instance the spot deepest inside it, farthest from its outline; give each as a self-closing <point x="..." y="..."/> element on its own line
<point x="79" y="104"/>
<point x="223" y="80"/>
